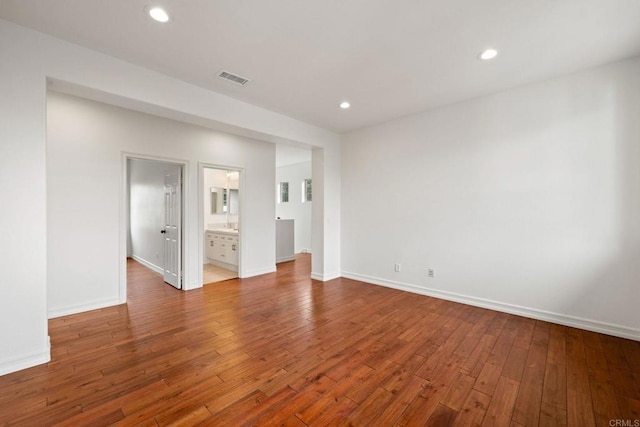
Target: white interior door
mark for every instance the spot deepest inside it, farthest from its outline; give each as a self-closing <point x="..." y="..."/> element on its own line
<point x="173" y="228"/>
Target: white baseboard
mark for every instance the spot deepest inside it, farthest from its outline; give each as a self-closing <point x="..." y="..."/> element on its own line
<point x="148" y="264"/>
<point x="285" y="259"/>
<point x="29" y="361"/>
<point x="251" y="273"/>
<point x="533" y="313"/>
<point x="194" y="284"/>
<point x="325" y="277"/>
<point x="95" y="305"/>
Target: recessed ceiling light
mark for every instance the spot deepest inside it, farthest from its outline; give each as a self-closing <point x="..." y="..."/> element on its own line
<point x="344" y="105"/>
<point x="488" y="54"/>
<point x="158" y="14"/>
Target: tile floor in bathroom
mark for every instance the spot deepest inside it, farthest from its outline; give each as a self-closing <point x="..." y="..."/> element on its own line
<point x="212" y="274"/>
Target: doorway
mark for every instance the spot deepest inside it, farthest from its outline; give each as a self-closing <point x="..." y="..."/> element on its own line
<point x="221" y="215"/>
<point x="155" y="201"/>
<point x="293" y="201"/>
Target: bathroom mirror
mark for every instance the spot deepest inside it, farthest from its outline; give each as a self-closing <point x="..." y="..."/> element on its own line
<point x="224" y="201"/>
<point x="233" y="201"/>
<point x="218" y="196"/>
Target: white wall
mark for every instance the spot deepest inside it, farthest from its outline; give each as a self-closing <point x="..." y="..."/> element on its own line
<point x="27" y="59"/>
<point x="526" y="201"/>
<point x="86" y="140"/>
<point x="295" y="209"/>
<point x="146" y="210"/>
<point x="23" y="305"/>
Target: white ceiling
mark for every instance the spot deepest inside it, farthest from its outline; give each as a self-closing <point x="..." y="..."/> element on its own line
<point x="388" y="58"/>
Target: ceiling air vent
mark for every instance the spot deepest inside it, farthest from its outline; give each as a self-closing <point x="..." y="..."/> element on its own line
<point x="233" y="78"/>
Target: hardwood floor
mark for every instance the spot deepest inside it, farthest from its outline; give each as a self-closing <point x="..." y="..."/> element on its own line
<point x="281" y="349"/>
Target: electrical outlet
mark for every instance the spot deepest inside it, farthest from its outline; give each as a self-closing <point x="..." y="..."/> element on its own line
<point x="397" y="268"/>
<point x="431" y="272"/>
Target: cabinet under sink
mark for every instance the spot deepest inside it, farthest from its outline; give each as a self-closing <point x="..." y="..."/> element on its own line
<point x="222" y="248"/>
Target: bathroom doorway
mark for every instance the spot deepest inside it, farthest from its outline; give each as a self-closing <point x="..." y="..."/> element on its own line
<point x="221" y="214"/>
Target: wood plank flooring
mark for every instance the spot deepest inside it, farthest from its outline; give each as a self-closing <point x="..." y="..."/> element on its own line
<point x="281" y="349"/>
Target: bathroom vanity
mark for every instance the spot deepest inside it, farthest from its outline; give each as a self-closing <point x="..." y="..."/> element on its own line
<point x="222" y="248"/>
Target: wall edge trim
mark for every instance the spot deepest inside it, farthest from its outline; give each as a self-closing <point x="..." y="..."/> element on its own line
<point x="28" y="361"/>
<point x="258" y="272"/>
<point x="95" y="305"/>
<point x="148" y="264"/>
<point x="532" y="313"/>
<point x="325" y="277"/>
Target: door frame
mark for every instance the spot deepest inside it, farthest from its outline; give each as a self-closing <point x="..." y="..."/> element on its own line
<point x="241" y="186"/>
<point x="124" y="219"/>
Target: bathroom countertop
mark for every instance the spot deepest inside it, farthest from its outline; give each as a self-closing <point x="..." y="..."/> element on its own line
<point x="223" y="230"/>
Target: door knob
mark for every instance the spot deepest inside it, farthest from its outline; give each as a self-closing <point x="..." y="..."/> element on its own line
<point x="163" y="231"/>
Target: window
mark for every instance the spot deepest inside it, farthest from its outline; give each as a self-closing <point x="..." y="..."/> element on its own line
<point x="283" y="192"/>
<point x="306" y="190"/>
